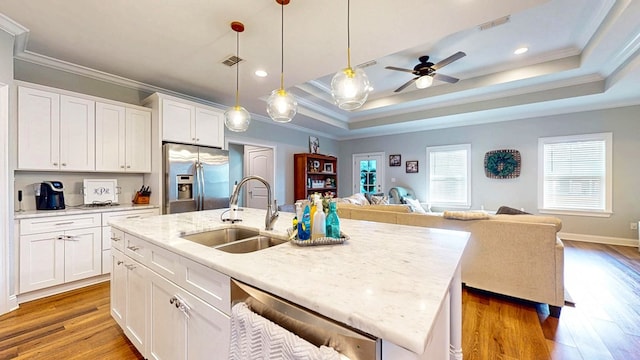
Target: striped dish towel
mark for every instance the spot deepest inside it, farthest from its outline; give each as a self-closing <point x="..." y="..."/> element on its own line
<point x="256" y="338"/>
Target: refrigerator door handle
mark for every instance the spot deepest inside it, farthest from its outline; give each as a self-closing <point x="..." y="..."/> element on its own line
<point x="200" y="171"/>
<point x="198" y="191"/>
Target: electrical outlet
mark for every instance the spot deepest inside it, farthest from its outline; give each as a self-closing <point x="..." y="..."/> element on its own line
<point x="633" y="226"/>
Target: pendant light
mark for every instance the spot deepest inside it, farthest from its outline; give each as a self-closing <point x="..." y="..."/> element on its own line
<point x="350" y="87"/>
<point x="281" y="105"/>
<point x="237" y="118"/>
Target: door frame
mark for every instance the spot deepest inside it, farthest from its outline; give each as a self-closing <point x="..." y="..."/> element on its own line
<point x="257" y="143"/>
<point x="380" y="170"/>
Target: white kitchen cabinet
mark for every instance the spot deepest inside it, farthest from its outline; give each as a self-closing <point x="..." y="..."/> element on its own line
<point x="182" y="326"/>
<point x="136" y="303"/>
<point x="123" y="139"/>
<point x="55" y="132"/>
<point x="59" y="256"/>
<point x="118" y="287"/>
<point x="187" y="122"/>
<point x="116" y="238"/>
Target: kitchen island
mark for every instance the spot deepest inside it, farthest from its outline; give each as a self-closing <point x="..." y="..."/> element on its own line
<point x="390" y="281"/>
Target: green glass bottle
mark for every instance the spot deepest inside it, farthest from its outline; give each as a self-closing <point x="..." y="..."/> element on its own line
<point x="333" y="222"/>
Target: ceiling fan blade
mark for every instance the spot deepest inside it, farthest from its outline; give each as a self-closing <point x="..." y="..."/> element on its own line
<point x="446" y="78"/>
<point x="449" y="60"/>
<point x="404" y="86"/>
<point x="399" y="69"/>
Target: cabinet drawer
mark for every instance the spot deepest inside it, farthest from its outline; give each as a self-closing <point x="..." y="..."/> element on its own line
<point x="127" y="214"/>
<point x="116" y="239"/>
<point x="165" y="263"/>
<point x="58" y="223"/>
<point x="135" y="248"/>
<point x="210" y="285"/>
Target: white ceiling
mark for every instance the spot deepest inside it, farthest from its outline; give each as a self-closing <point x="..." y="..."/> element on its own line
<point x="584" y="54"/>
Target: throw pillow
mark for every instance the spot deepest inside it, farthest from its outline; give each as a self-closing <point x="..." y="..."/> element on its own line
<point x="358" y="199"/>
<point x="414" y="205"/>
<point x="510" y="211"/>
<point x="378" y="199"/>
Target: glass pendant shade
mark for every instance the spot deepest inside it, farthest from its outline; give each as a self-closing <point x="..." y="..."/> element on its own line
<point x="282" y="106"/>
<point x="350" y="88"/>
<point x="237" y="119"/>
<point x="424" y="82"/>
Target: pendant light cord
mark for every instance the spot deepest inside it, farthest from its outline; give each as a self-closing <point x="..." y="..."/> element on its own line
<point x="237" y="66"/>
<point x="348" y="35"/>
<point x="282" y="45"/>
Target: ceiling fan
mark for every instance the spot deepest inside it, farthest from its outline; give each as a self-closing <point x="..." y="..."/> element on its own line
<point x="425" y="71"/>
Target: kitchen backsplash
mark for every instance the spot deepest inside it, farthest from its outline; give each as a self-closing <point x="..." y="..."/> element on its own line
<point x="73" y="184"/>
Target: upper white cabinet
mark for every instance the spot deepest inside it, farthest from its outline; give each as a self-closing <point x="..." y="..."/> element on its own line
<point x="123" y="139"/>
<point x="55" y="132"/>
<point x="186" y="122"/>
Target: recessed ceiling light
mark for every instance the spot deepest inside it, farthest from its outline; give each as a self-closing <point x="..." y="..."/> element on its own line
<point x="261" y="73"/>
<point x="521" y="50"/>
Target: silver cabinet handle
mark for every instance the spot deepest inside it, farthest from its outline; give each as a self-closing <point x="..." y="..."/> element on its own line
<point x="180" y="305"/>
<point x="121" y="166"/>
<point x="64" y="164"/>
<point x="64" y="223"/>
<point x="120" y="262"/>
<point x="133" y="248"/>
<point x="130" y="266"/>
<point x="113" y="238"/>
<point x="55" y="164"/>
<point x="133" y="217"/>
<point x="128" y="166"/>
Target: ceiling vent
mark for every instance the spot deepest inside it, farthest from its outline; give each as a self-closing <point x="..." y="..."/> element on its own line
<point x="497" y="22"/>
<point x="231" y="60"/>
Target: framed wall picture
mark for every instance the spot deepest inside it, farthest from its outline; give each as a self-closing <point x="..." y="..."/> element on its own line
<point x="395" y="160"/>
<point x="314" y="144"/>
<point x="328" y="167"/>
<point x="412" y="166"/>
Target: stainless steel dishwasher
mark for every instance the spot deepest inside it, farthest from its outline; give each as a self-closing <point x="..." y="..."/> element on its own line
<point x="310" y="326"/>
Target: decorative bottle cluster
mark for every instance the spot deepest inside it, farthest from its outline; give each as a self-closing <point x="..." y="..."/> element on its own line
<point x="311" y="221"/>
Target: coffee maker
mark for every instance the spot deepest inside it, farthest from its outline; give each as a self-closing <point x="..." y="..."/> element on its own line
<point x="49" y="195"/>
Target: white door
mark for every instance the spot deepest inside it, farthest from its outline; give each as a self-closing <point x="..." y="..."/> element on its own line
<point x="259" y="162"/>
<point x="209" y="127"/>
<point x="82" y="253"/>
<point x="138" y="140"/>
<point x="38" y="129"/>
<point x="177" y="122"/>
<point x="118" y="287"/>
<point x="110" y="136"/>
<point x="368" y="173"/>
<point x="77" y="133"/>
<point x="41" y="261"/>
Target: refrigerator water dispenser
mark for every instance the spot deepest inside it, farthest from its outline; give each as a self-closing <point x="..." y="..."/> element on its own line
<point x="185" y="187"/>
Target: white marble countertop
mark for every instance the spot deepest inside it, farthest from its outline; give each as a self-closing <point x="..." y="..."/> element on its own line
<point x="79" y="210"/>
<point x="387" y="280"/>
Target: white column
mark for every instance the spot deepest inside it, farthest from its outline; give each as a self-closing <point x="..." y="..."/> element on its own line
<point x="455" y="348"/>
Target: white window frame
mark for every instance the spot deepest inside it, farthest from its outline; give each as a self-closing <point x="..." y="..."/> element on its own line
<point x="457" y="205"/>
<point x="608" y="186"/>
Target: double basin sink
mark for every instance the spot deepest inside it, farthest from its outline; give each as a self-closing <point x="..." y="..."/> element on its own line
<point x="234" y="240"/>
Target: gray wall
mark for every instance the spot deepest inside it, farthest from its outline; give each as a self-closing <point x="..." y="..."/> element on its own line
<point x="521" y="135"/>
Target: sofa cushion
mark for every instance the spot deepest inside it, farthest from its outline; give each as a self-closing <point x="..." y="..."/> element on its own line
<point x="510" y="211"/>
<point x="414" y="205"/>
<point x="540" y="219"/>
<point x="377" y="199"/>
<point x="465" y="215"/>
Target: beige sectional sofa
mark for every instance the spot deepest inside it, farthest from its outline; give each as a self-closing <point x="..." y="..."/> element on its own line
<point x="514" y="255"/>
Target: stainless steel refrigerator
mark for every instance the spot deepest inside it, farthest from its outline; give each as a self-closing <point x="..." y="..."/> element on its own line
<point x="196" y="178"/>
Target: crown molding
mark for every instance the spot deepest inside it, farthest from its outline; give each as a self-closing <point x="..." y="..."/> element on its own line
<point x="10" y="26"/>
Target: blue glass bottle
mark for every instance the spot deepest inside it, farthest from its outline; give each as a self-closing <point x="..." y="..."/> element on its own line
<point x="333" y="222"/>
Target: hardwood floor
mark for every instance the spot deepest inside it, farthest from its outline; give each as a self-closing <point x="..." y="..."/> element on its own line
<point x="603" y="281"/>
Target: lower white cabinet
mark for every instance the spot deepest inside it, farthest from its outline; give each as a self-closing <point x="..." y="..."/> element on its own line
<point x="160" y="317"/>
<point x="182" y="326"/>
<point x="68" y="251"/>
<point x="107" y="235"/>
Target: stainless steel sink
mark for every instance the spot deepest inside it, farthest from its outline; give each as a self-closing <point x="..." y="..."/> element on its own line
<point x="251" y="244"/>
<point x="221" y="236"/>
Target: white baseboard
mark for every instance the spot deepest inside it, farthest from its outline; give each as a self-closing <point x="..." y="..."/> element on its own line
<point x="13" y="302"/>
<point x="39" y="294"/>
<point x="608" y="240"/>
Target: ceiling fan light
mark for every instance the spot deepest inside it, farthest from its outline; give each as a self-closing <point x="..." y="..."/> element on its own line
<point x="237" y="119"/>
<point x="424" y="82"/>
<point x="282" y="106"/>
<point x="350" y="88"/>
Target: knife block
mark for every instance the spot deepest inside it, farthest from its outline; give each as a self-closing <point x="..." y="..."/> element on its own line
<point x="141" y="198"/>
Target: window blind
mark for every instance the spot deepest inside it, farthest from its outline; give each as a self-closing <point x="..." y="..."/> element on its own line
<point x="576" y="173"/>
<point x="449" y="175"/>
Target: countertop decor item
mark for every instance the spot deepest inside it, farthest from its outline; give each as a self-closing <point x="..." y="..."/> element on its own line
<point x="100" y="191"/>
<point x="319" y="241"/>
<point x="502" y="164"/>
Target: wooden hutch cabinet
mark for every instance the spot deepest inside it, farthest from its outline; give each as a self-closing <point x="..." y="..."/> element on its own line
<point x="314" y="173"/>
